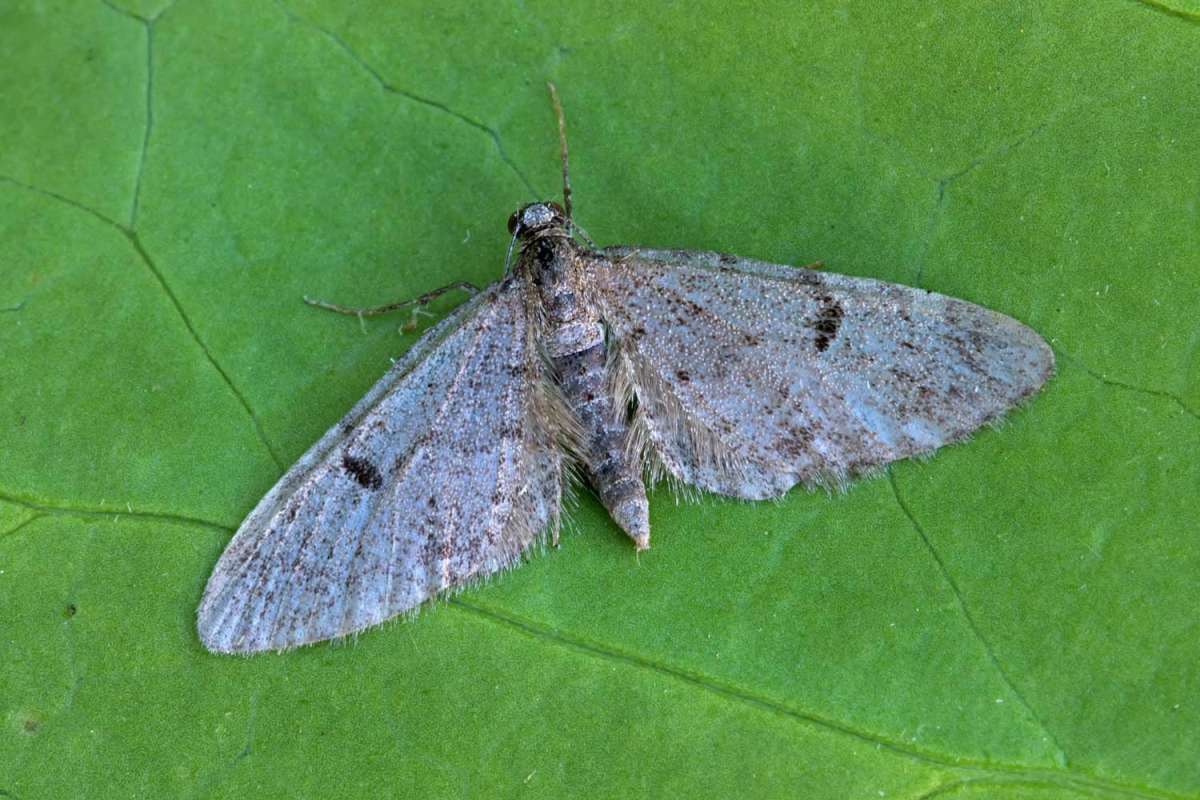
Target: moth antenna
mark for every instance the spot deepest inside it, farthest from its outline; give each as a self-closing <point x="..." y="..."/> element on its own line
<point x="508" y="256"/>
<point x="562" y="148"/>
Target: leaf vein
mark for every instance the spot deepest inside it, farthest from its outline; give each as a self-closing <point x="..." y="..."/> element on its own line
<point x="43" y="510"/>
<point x="1129" y="387"/>
<point x="133" y="239"/>
<point x="707" y="683"/>
<point x="1060" y="756"/>
<point x="413" y="96"/>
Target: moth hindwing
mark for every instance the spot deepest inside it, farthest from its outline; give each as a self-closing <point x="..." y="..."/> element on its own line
<point x="733" y="376"/>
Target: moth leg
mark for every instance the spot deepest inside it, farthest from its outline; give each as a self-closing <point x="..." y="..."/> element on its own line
<point x="417" y="313"/>
<point x="631" y="254"/>
<point x="416" y="303"/>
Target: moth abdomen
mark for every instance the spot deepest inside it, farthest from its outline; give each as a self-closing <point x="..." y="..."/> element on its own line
<point x="607" y="462"/>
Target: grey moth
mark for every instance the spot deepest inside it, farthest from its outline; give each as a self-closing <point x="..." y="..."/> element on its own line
<point x="622" y="364"/>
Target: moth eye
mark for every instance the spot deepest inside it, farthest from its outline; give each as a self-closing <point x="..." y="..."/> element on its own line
<point x="512" y="221"/>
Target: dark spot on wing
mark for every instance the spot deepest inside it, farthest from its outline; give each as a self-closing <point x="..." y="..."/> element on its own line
<point x="363" y="471"/>
<point x="826" y="331"/>
<point x="795" y="440"/>
<point x="682" y="375"/>
<point x="827" y="323"/>
<point x="726" y="258"/>
<point x="435" y="550"/>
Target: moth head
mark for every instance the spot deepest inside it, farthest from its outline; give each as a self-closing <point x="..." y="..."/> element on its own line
<point x="536" y="217"/>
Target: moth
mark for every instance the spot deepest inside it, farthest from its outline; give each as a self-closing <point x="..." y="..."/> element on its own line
<point x="627" y="364"/>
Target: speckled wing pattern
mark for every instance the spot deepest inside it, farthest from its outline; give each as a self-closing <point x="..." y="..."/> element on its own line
<point x="749" y="377"/>
<point x="436" y="477"/>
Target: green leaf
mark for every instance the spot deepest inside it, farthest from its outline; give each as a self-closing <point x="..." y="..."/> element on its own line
<point x="1015" y="617"/>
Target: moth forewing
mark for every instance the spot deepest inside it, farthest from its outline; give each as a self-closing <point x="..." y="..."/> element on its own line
<point x="752" y="377"/>
<point x="436" y="477"/>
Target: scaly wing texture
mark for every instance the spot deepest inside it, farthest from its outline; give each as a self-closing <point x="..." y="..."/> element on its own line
<point x="445" y="471"/>
<point x="753" y="377"/>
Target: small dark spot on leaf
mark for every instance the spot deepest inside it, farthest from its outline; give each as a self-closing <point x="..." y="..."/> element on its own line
<point x="31" y="725"/>
<point x="363" y="471"/>
<point x="69" y="610"/>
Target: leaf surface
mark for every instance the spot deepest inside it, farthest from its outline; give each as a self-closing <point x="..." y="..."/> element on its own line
<point x="1014" y="617"/>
